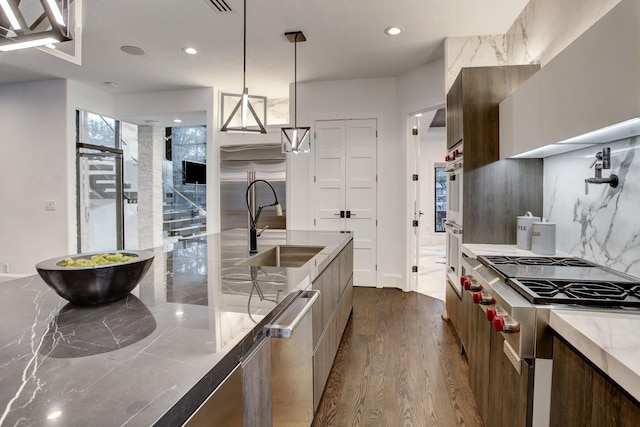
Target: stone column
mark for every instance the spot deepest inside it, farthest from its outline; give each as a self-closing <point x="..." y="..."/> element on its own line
<point x="150" y="156"/>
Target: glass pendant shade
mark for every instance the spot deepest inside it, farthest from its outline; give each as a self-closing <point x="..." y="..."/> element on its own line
<point x="296" y="140"/>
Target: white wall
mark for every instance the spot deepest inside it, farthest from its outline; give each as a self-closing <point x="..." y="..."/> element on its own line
<point x="34" y="165"/>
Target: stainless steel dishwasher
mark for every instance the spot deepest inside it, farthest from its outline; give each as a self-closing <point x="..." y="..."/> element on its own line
<point x="292" y="363"/>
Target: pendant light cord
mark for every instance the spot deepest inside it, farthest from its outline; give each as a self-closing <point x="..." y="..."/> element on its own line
<point x="295" y="81"/>
<point x="244" y="48"/>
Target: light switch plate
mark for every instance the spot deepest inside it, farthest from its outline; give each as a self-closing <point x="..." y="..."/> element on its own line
<point x="50" y="205"/>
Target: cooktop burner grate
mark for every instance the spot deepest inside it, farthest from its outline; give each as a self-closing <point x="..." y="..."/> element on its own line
<point x="543" y="291"/>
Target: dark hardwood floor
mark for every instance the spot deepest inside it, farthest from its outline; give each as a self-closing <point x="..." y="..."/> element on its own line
<point x="398" y="364"/>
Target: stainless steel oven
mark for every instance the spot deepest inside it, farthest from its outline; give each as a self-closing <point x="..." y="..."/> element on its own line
<point x="454" y="168"/>
<point x="454" y="255"/>
<point x="453" y="223"/>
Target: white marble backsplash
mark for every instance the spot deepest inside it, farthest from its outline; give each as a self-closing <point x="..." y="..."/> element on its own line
<point x="602" y="226"/>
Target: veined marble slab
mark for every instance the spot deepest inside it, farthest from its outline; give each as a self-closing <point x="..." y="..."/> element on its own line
<point x="152" y="357"/>
<point x="609" y="340"/>
<point x="474" y="249"/>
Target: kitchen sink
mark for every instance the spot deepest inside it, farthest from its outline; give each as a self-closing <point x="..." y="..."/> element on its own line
<point x="283" y="256"/>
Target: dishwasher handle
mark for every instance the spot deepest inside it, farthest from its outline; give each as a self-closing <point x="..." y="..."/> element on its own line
<point x="286" y="323"/>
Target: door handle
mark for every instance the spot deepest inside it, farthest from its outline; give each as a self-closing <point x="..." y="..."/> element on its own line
<point x="341" y="214"/>
<point x="278" y="330"/>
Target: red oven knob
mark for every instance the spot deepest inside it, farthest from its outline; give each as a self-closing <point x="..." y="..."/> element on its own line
<point x="463" y="279"/>
<point x="484" y="299"/>
<point x="498" y="323"/>
<point x="447" y="158"/>
<point x="477" y="297"/>
<point x="466" y="284"/>
<point x="491" y="313"/>
<point x="456" y="154"/>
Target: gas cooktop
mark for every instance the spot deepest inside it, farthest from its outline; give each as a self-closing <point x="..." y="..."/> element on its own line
<point x="565" y="280"/>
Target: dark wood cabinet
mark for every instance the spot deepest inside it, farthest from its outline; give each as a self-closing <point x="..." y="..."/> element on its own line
<point x="510" y="400"/>
<point x="494" y="191"/>
<point x="453" y="303"/>
<point x="503" y="395"/>
<point x="477" y="336"/>
<point x="582" y="396"/>
<point x="454" y="115"/>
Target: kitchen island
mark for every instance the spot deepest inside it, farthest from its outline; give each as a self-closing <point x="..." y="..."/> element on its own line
<point x="153" y="357"/>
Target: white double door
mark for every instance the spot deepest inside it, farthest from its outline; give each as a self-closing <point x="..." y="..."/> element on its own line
<point x="346" y="188"/>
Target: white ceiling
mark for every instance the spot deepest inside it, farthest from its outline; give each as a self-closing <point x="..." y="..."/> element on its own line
<point x="345" y="40"/>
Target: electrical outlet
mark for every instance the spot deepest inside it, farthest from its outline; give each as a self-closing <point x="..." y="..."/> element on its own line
<point x="50" y="205"/>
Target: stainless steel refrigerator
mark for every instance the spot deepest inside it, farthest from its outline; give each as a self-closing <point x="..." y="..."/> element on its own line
<point x="241" y="164"/>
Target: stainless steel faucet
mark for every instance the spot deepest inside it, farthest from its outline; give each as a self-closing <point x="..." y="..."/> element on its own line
<point x="601" y="161"/>
<point x="253" y="233"/>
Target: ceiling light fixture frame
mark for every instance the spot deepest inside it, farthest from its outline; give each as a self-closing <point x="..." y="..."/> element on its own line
<point x="244" y="106"/>
<point x="22" y="34"/>
<point x="295" y="139"/>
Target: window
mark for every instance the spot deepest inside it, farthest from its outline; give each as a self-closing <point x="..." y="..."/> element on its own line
<point x="440" y="198"/>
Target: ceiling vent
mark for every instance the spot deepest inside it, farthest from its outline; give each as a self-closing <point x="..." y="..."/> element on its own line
<point x="220" y="6"/>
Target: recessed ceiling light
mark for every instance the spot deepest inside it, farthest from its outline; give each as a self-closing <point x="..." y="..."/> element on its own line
<point x="177" y="120"/>
<point x="190" y="50"/>
<point x="152" y="122"/>
<point x="132" y="50"/>
<point x="419" y="115"/>
<point x="392" y="31"/>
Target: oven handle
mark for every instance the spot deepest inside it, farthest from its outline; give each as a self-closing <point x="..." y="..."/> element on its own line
<point x="453" y="227"/>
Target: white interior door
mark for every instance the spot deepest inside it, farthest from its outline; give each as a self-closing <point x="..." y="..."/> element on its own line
<point x="330" y="174"/>
<point x="360" y="202"/>
<point x="346" y="190"/>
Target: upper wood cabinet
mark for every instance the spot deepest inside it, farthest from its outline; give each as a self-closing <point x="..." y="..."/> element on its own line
<point x="591" y="84"/>
<point x="473" y="109"/>
<point x="513" y="186"/>
<point x="454" y="114"/>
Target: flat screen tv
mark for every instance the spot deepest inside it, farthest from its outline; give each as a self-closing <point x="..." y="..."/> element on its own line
<point x="194" y="173"/>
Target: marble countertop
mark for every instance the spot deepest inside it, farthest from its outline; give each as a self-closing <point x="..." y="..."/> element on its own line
<point x="609" y="340"/>
<point x="474" y="249"/>
<point x="154" y="356"/>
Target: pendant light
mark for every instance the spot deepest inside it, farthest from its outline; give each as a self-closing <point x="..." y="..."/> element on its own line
<point x="244" y="106"/>
<point x="33" y="23"/>
<point x="295" y="139"/>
